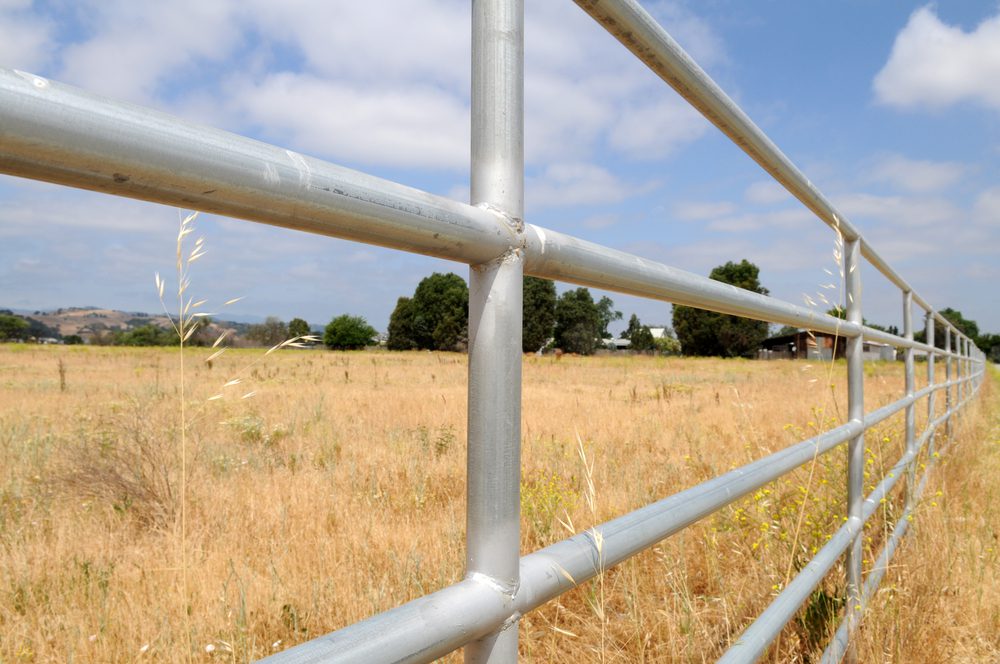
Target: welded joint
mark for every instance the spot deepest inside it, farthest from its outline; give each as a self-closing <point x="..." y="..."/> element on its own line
<point x="513" y="226"/>
<point x="511" y="621"/>
<point x="507" y="590"/>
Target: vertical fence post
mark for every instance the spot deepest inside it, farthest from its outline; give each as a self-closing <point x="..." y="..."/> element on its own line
<point x="965" y="368"/>
<point x="911" y="426"/>
<point x="960" y="374"/>
<point x="495" y="295"/>
<point x="856" y="446"/>
<point x="929" y="326"/>
<point x="968" y="365"/>
<point x="947" y="379"/>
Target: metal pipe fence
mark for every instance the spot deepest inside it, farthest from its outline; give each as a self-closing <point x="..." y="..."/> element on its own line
<point x="59" y="134"/>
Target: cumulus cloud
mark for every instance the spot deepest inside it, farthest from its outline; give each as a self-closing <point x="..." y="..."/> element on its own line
<point x="916" y="175"/>
<point x="577" y="183"/>
<point x="798" y="217"/>
<point x="52" y="209"/>
<point x="600" y="221"/>
<point x="900" y="211"/>
<point x="354" y="83"/>
<point x="699" y="211"/>
<point x="26" y="37"/>
<point x="773" y="253"/>
<point x="766" y="192"/>
<point x="654" y="130"/>
<point x="935" y="65"/>
<point x="725" y="216"/>
<point x="585" y="91"/>
<point x="349" y="82"/>
<point x="418" y="40"/>
<point x="133" y="48"/>
<point x="987" y="207"/>
<point x="399" y="126"/>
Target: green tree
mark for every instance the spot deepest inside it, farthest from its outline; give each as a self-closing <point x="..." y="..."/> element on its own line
<point x="435" y="318"/>
<point x="269" y="333"/>
<point x="348" y="333"/>
<point x="38" y="329"/>
<point x="967" y="327"/>
<point x="146" y="335"/>
<point x="72" y="340"/>
<point x="578" y="322"/>
<point x="990" y="344"/>
<point x="13" y="327"/>
<point x="539" y="313"/>
<point x="298" y="328"/>
<point x="639" y="336"/>
<point x="709" y="333"/>
<point x="607" y="313"/>
<point x="401" y="326"/>
<point x="667" y="345"/>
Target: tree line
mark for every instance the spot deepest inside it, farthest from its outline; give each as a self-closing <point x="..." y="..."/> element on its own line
<point x="435" y="317"/>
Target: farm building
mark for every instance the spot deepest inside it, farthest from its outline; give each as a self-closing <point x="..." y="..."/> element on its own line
<point x="805" y="345"/>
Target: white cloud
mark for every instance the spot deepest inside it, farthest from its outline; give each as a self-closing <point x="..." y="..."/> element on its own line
<point x="563" y="117"/>
<point x="936" y="65"/>
<point x="135" y="46"/>
<point x="26" y="38"/>
<point x="27" y="211"/>
<point x="600" y="221"/>
<point x="576" y="183"/>
<point x="772" y="221"/>
<point x="400" y="126"/>
<point x="367" y="42"/>
<point x="355" y="82"/>
<point x="987" y="207"/>
<point x="899" y="211"/>
<point x="982" y="271"/>
<point x="654" y="130"/>
<point x="691" y="32"/>
<point x="782" y="253"/>
<point x="766" y="192"/>
<point x="919" y="176"/>
<point x="583" y="88"/>
<point x="723" y="216"/>
<point x="699" y="211"/>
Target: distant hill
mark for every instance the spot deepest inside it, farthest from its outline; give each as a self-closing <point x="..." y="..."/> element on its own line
<point x="88" y="321"/>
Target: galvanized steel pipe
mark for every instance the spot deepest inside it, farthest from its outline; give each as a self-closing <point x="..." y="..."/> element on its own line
<point x="56" y="133"/>
<point x="493" y="507"/>
<point x="929" y="327"/>
<point x="911" y="421"/>
<point x="947" y="377"/>
<point x="855" y="412"/>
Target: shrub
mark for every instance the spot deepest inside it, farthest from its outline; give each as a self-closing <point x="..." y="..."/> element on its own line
<point x="348" y="333"/>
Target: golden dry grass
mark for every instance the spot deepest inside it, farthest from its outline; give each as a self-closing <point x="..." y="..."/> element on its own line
<point x="338" y="491"/>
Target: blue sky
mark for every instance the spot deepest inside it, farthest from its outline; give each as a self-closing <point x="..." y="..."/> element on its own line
<point x="892" y="109"/>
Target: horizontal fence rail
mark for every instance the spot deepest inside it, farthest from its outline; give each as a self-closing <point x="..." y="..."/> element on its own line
<point x="58" y="134"/>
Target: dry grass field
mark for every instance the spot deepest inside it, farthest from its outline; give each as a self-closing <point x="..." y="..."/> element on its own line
<point x="337" y="491"/>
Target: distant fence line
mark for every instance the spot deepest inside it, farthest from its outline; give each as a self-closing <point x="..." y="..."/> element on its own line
<point x="59" y="134"/>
